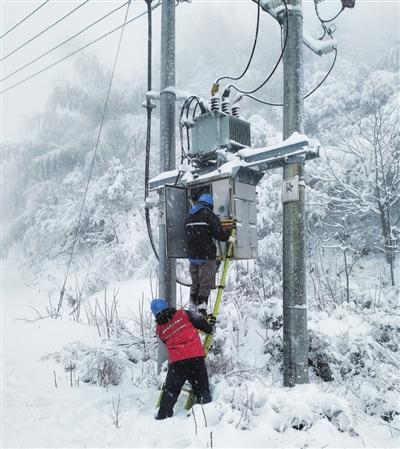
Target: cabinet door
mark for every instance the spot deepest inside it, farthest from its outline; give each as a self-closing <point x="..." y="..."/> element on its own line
<point x="176" y="209"/>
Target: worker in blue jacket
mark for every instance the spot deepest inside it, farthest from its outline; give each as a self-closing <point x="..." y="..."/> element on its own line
<point x="202" y="226"/>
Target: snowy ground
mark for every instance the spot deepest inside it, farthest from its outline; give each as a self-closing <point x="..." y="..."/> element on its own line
<point x="45" y="405"/>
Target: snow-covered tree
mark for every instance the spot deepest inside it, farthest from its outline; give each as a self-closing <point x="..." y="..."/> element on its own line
<point x="361" y="174"/>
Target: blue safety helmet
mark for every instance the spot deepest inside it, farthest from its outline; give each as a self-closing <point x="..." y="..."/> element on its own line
<point x="206" y="198"/>
<point x="158" y="305"/>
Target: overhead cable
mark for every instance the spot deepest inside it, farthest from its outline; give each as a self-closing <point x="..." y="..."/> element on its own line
<point x="93" y="159"/>
<point x="186" y="105"/>
<point x="64" y="42"/>
<point x="325" y="77"/>
<point x="326" y="31"/>
<point x="327" y="20"/>
<point x="275" y="66"/>
<point x="46" y="29"/>
<point x="25" y="18"/>
<point x="73" y="53"/>
<point x="252" y="51"/>
<point x="259" y="100"/>
<point x="149" y="109"/>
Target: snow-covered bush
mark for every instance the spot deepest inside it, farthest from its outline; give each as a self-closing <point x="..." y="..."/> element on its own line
<point x="386" y="329"/>
<point x="363" y="367"/>
<point x="224" y="351"/>
<point x="100" y="366"/>
<point x="318" y="356"/>
<point x="103" y="368"/>
<point x="240" y="400"/>
<point x="301" y="406"/>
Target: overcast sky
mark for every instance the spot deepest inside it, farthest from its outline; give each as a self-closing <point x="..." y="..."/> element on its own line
<point x="368" y="30"/>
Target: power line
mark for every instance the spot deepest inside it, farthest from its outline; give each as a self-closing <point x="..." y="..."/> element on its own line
<point x="326" y="30"/>
<point x="186" y="105"/>
<point x="93" y="159"/>
<point x="259" y="100"/>
<point x="64" y="42"/>
<point x="42" y="32"/>
<point x="252" y="51"/>
<point x="25" y="18"/>
<point x="73" y="53"/>
<point x="149" y="109"/>
<point x="276" y="64"/>
<point x="325" y="77"/>
<point x="326" y="20"/>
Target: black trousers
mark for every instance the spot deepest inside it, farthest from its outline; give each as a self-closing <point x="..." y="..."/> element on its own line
<point x="194" y="370"/>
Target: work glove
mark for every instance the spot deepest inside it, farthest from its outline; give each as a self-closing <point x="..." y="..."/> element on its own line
<point x="231" y="239"/>
<point x="212" y="320"/>
<point x="229" y="226"/>
<point x="202" y="312"/>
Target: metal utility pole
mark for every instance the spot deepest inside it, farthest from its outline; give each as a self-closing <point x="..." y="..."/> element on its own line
<point x="166" y="267"/>
<point x="295" y="341"/>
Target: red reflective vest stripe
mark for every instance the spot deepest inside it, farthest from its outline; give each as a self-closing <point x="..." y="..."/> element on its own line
<point x="180" y="337"/>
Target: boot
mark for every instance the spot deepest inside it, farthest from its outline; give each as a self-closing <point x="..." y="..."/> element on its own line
<point x="162" y="415"/>
<point x="204" y="397"/>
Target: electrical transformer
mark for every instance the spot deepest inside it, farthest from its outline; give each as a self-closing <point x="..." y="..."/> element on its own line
<point x="215" y="130"/>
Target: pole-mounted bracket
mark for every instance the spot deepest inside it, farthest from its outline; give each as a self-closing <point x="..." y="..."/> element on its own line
<point x="276" y="8"/>
<point x="180" y="95"/>
<point x="296" y="148"/>
<point x="319" y="47"/>
<point x="297" y="159"/>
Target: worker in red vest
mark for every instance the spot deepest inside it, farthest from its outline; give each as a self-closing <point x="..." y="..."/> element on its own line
<point x="178" y="330"/>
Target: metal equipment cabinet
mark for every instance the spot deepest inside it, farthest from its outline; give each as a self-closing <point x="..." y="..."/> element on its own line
<point x="234" y="198"/>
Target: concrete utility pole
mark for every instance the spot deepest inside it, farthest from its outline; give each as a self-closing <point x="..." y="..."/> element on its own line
<point x="295" y="340"/>
<point x="166" y="268"/>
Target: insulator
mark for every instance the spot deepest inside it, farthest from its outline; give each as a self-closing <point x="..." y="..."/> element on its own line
<point x="226" y="106"/>
<point x="215" y="103"/>
<point x="236" y="110"/>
